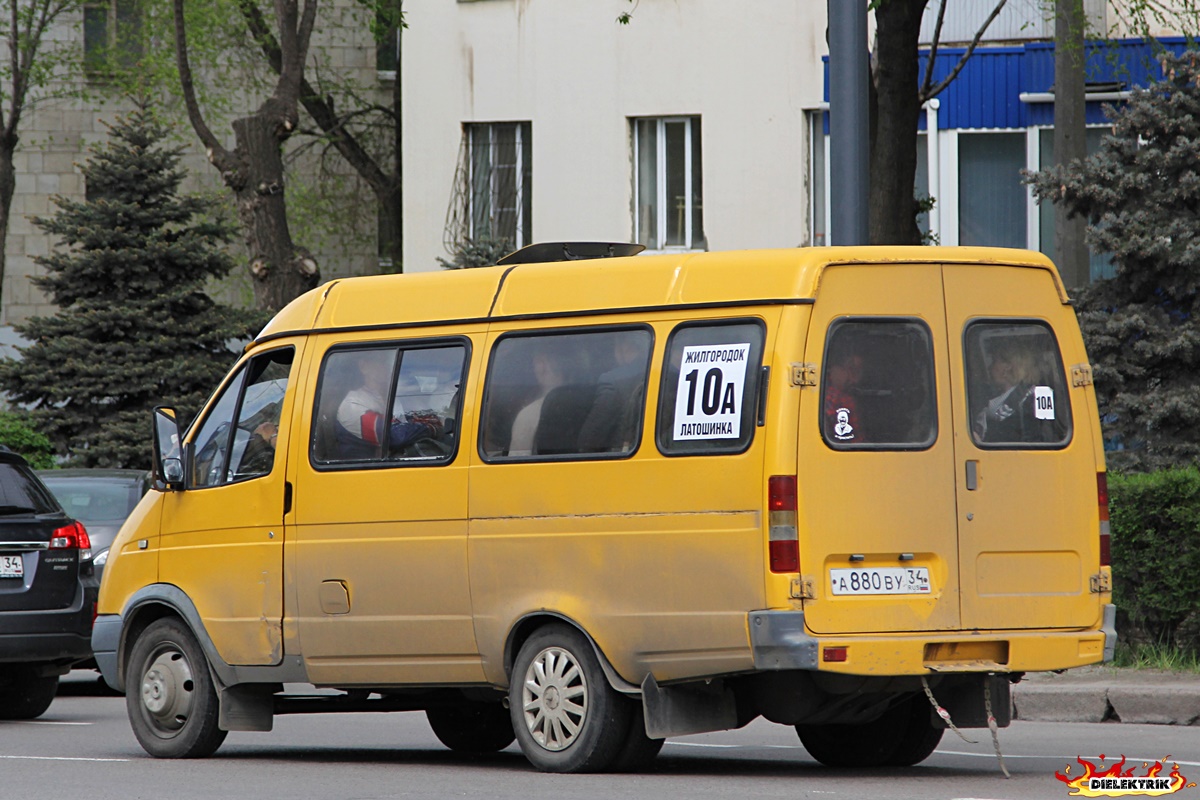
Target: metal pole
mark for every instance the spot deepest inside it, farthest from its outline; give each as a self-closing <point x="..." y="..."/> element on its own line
<point x="848" y="123"/>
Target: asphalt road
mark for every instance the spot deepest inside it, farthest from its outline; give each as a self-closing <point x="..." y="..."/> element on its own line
<point x="83" y="748"/>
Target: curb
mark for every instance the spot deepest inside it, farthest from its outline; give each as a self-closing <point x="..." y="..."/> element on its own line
<point x="1148" y="699"/>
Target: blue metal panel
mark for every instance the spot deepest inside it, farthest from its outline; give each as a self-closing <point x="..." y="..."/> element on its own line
<point x="986" y="93"/>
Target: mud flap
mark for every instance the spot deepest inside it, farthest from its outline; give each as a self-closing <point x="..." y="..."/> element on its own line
<point x="687" y="708"/>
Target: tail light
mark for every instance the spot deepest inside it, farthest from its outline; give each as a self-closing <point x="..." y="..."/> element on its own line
<point x="783" y="545"/>
<point x="1102" y="502"/>
<point x="71" y="537"/>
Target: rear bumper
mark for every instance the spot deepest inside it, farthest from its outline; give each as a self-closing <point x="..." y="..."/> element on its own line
<point x="780" y="641"/>
<point x="62" y="635"/>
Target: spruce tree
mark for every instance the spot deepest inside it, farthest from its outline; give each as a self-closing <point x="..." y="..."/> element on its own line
<point x="135" y="328"/>
<point x="1140" y="193"/>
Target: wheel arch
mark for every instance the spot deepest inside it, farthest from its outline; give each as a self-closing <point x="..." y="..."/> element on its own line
<point x="159" y="600"/>
<point x="530" y="623"/>
<point x="155" y="602"/>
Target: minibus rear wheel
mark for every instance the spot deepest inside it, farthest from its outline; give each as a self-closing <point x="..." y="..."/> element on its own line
<point x="475" y="728"/>
<point x="902" y="736"/>
<point x="565" y="715"/>
<point x="169" y="693"/>
<point x="639" y="750"/>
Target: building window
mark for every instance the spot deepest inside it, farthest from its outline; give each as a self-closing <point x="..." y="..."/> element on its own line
<point x="992" y="203"/>
<point x="389" y="21"/>
<point x="818" y="171"/>
<point x="496" y="180"/>
<point x="1100" y="264"/>
<point x="668" y="183"/>
<point x="112" y="35"/>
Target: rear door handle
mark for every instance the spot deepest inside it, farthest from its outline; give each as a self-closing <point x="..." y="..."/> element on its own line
<point x="972" y="475"/>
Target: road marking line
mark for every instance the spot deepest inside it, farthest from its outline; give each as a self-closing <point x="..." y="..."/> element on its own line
<point x="1128" y="759"/>
<point x="59" y="758"/>
<point x="49" y="722"/>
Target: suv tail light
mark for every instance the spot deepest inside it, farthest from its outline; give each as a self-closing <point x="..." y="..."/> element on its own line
<point x="1102" y="501"/>
<point x="71" y="537"/>
<point x="783" y="545"/>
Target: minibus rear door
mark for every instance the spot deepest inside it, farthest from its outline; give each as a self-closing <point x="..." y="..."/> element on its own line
<point x="875" y="475"/>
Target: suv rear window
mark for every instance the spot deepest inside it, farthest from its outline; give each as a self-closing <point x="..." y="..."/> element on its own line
<point x="21" y="492"/>
<point x="1016" y="386"/>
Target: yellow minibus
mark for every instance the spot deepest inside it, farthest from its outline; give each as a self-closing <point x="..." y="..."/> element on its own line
<point x="587" y="500"/>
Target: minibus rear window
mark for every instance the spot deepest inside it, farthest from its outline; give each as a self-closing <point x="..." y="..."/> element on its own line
<point x="387" y="405"/>
<point x="709" y="392"/>
<point x="877" y="385"/>
<point x="1016" y="386"/>
<point x="566" y="395"/>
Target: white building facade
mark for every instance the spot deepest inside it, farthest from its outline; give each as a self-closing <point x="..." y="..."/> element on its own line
<point x="547" y="120"/>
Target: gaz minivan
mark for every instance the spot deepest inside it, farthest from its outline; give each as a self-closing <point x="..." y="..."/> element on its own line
<point x="588" y="503"/>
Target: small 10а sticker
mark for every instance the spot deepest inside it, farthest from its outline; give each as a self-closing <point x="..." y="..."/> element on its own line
<point x="708" y="401"/>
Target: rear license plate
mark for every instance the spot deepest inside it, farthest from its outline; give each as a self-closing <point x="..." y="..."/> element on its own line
<point x="880" y="580"/>
<point x="12" y="567"/>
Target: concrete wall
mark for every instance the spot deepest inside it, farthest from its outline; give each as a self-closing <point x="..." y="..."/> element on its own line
<point x="55" y="135"/>
<point x="748" y="71"/>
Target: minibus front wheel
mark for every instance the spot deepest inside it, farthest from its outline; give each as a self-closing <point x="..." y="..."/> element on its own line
<point x="565" y="715"/>
<point x="169" y="693"/>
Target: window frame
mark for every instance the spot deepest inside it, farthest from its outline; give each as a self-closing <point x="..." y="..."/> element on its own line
<point x="98" y="65"/>
<point x="523" y="197"/>
<point x="573" y="330"/>
<point x="755" y="385"/>
<point x="891" y="447"/>
<point x="236" y="375"/>
<point x="691" y="244"/>
<point x="396" y="345"/>
<point x="1066" y="383"/>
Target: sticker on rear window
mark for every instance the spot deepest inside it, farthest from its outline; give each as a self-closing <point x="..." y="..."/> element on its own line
<point x="1043" y="402"/>
<point x="708" y="402"/>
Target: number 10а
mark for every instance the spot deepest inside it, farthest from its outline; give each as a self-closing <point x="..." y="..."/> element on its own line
<point x="712" y="396"/>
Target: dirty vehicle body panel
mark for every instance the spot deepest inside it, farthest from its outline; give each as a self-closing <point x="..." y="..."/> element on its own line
<point x="660" y="454"/>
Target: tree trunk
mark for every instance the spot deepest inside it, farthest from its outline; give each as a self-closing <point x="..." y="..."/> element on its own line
<point x="1070" y="135"/>
<point x="892" y="217"/>
<point x="8" y="186"/>
<point x="281" y="271"/>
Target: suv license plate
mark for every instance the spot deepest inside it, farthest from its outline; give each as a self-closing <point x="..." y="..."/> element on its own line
<point x="12" y="567"/>
<point x="880" y="580"/>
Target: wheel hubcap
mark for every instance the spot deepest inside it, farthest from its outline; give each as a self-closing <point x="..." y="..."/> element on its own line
<point x="168" y="690"/>
<point x="554" y="699"/>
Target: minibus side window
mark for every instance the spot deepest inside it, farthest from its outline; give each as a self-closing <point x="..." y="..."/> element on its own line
<point x="707" y="399"/>
<point x="223" y="452"/>
<point x="387" y="405"/>
<point x="1016" y="385"/>
<point x="877" y="385"/>
<point x="566" y="395"/>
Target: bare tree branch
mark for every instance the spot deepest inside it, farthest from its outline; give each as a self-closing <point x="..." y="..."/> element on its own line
<point x="933" y="48"/>
<point x="962" y="62"/>
<point x="217" y="154"/>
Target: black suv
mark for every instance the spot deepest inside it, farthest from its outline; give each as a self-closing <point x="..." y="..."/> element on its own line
<point x="46" y="606"/>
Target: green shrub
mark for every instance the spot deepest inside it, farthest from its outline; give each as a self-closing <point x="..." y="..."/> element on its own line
<point x="18" y="435"/>
<point x="1156" y="556"/>
<point x="481" y="252"/>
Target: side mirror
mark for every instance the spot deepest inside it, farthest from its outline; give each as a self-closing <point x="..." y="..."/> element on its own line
<point x="168" y="455"/>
